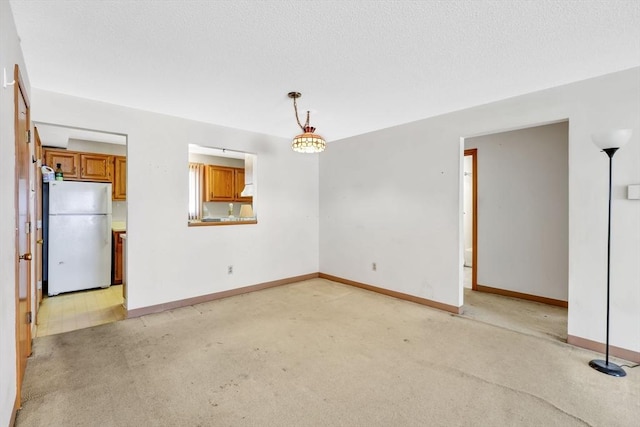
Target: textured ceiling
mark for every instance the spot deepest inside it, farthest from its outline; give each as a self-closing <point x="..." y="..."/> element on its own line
<point x="360" y="65"/>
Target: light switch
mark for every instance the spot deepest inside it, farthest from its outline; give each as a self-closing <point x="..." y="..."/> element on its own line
<point x="633" y="192"/>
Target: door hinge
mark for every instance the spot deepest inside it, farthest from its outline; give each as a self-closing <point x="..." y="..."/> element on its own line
<point x="28" y="227"/>
<point x="29" y="317"/>
<point x="28" y="131"/>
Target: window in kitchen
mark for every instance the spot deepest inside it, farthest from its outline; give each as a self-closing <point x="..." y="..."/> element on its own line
<point x="222" y="187"/>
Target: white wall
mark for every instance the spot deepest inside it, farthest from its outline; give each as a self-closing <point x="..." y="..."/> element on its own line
<point x="523" y="209"/>
<point x="166" y="259"/>
<point x="96" y="147"/>
<point x="394" y="197"/>
<point x="10" y="54"/>
<point x="215" y="160"/>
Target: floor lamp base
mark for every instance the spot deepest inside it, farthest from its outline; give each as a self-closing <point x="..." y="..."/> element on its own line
<point x="607" y="368"/>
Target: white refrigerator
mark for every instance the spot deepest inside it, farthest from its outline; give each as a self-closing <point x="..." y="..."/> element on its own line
<point x="78" y="236"/>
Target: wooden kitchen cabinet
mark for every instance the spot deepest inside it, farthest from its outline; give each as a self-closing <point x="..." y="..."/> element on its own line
<point x="95" y="167"/>
<point x="69" y="162"/>
<point x="239" y="186"/>
<point x="77" y="166"/>
<point x="224" y="184"/>
<point x="119" y="178"/>
<point x="220" y="184"/>
<point x="117" y="260"/>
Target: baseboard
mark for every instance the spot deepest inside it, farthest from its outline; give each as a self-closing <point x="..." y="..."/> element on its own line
<point x="143" y="311"/>
<point x="529" y="297"/>
<point x="622" y="353"/>
<point x="399" y="295"/>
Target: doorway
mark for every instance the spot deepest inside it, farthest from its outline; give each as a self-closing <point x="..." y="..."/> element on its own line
<point x="93" y="158"/>
<point x="519" y="227"/>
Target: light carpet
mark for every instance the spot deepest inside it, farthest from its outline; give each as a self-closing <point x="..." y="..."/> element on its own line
<point x="317" y="353"/>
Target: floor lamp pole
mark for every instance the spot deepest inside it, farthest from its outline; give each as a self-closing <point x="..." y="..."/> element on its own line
<point x="604" y="365"/>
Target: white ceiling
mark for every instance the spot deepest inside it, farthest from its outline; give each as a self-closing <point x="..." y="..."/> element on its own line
<point x="360" y="65"/>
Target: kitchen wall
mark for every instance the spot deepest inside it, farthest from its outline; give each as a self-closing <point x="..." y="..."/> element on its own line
<point x="523" y="231"/>
<point x="119" y="211"/>
<point x="11" y="54"/>
<point x="161" y="247"/>
<point x="394" y="197"/>
<point x="96" y="147"/>
<point x="216" y="160"/>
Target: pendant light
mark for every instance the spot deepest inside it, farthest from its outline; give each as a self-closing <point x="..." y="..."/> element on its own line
<point x="308" y="141"/>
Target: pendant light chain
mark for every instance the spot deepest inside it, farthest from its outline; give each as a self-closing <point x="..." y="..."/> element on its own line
<point x="295" y="108"/>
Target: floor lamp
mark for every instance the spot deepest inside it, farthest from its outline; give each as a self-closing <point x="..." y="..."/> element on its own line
<point x="609" y="142"/>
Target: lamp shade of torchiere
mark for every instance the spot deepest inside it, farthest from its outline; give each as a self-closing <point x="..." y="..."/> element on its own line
<point x="609" y="142"/>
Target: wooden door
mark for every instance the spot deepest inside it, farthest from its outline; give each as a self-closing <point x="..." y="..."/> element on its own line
<point x="68" y="161"/>
<point x="38" y="229"/>
<point x="120" y="178"/>
<point x="95" y="167"/>
<point x="220" y="184"/>
<point x="23" y="231"/>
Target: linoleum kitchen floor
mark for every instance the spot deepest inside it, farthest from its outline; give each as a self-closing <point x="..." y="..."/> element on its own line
<point x="78" y="310"/>
<point x="317" y="353"/>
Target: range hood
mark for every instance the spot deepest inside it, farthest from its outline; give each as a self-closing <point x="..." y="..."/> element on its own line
<point x="248" y="190"/>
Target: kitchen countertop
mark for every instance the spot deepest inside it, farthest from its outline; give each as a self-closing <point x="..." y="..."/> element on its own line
<point x="237" y="221"/>
<point x="118" y="226"/>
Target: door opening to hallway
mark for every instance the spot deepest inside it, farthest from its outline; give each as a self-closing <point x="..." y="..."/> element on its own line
<point x="515" y="240"/>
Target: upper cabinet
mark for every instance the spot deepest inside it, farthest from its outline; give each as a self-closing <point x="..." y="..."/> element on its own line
<point x="95" y="167"/>
<point x="220" y="184"/>
<point x="119" y="178"/>
<point x="80" y="166"/>
<point x="239" y="185"/>
<point x="69" y="162"/>
<point x="224" y="184"/>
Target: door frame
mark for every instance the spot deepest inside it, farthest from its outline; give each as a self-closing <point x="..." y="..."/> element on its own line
<point x="473" y="152"/>
<point x="21" y="317"/>
<point x="38" y="258"/>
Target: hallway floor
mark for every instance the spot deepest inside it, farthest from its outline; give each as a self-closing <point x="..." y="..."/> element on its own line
<point x="532" y="318"/>
<point x="78" y="310"/>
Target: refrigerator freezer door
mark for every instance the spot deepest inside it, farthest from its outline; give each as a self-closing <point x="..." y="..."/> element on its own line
<point x="72" y="198"/>
<point x="79" y="252"/>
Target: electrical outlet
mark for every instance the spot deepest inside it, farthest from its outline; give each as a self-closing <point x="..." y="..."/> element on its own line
<point x="374" y="266"/>
<point x="230" y="269"/>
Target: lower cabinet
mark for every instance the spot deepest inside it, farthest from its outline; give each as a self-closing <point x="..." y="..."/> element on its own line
<point x="117" y="259"/>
